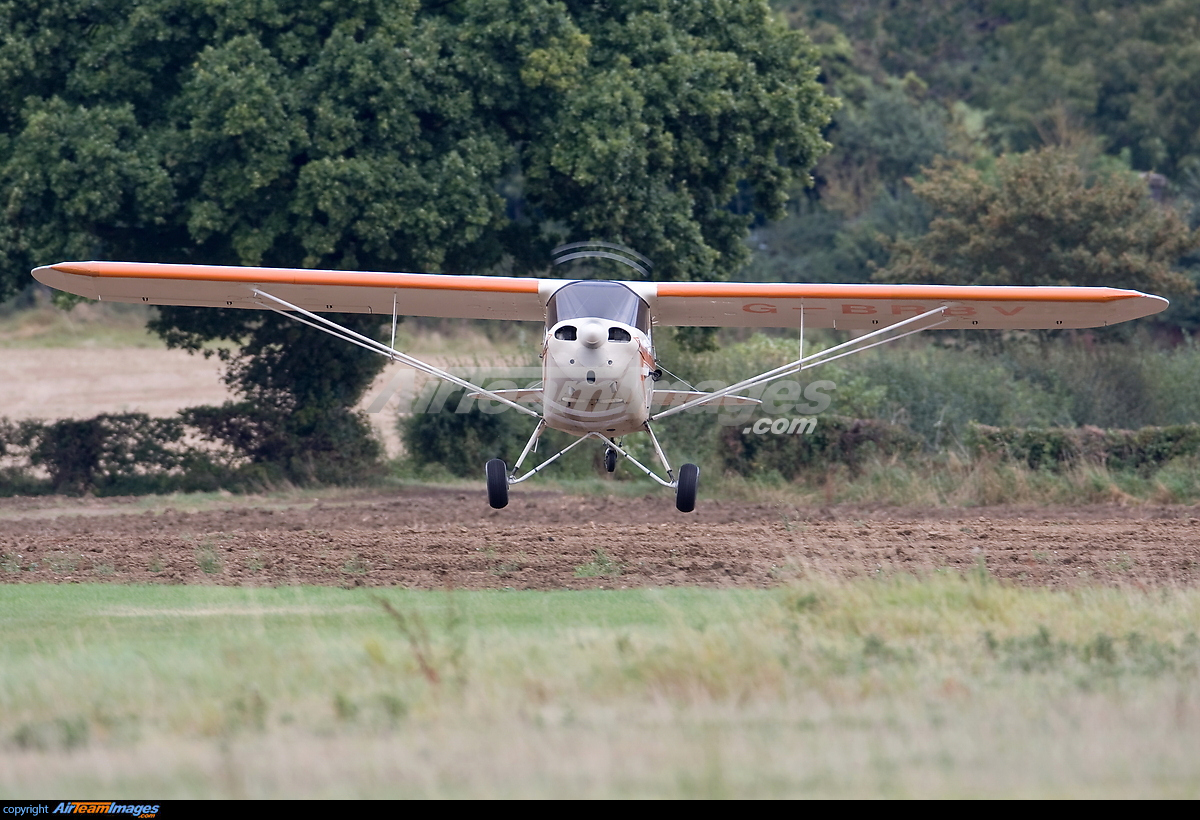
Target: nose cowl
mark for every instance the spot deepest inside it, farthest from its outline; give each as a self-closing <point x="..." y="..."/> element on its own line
<point x="593" y="334"/>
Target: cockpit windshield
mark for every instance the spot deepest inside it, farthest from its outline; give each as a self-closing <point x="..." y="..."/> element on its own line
<point x="602" y="300"/>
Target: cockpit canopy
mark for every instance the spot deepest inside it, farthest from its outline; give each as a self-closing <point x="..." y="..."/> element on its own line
<point x="598" y="299"/>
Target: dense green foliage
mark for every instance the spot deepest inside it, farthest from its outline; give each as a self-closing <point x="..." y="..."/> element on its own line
<point x="1040" y="221"/>
<point x="1126" y="71"/>
<point x="835" y="441"/>
<point x="460" y="443"/>
<point x="1123" y="71"/>
<point x="1055" y="448"/>
<point x="966" y="81"/>
<point x="397" y="135"/>
<point x="463" y="136"/>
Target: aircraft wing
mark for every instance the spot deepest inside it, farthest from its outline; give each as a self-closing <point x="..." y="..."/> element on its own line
<point x="319" y="291"/>
<point x="870" y="307"/>
<point x="699" y="304"/>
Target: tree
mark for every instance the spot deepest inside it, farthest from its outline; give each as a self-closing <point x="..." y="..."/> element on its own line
<point x="465" y="136"/>
<point x="378" y="134"/>
<point x="882" y="134"/>
<point x="939" y="40"/>
<point x="1041" y="219"/>
<point x="1127" y="71"/>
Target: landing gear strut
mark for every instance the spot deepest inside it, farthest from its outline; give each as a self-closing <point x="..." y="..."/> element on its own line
<point x="499" y="479"/>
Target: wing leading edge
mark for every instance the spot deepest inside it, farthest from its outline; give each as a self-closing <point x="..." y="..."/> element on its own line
<point x="703" y="304"/>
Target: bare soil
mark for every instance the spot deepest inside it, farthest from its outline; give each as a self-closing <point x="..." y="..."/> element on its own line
<point x="445" y="538"/>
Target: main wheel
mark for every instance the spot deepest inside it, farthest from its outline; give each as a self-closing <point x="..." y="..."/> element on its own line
<point x="610" y="460"/>
<point x="685" y="488"/>
<point x="497" y="483"/>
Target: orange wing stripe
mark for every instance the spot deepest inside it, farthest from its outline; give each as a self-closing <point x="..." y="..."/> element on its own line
<point x="769" y="290"/>
<point x="297" y="276"/>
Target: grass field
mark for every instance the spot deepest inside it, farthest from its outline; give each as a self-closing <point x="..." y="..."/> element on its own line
<point x="946" y="686"/>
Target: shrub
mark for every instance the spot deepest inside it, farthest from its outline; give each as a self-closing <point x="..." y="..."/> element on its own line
<point x="333" y="445"/>
<point x="201" y="449"/>
<point x="111" y="453"/>
<point x="835" y="440"/>
<point x="1055" y="448"/>
<point x="463" y="442"/>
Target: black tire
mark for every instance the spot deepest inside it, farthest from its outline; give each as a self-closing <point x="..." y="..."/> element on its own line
<point x="497" y="483"/>
<point x="610" y="460"/>
<point x="685" y="488"/>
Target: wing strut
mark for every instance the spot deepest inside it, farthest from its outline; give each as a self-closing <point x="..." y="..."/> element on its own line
<point x="348" y="335"/>
<point x="823" y="357"/>
<point x="396" y="304"/>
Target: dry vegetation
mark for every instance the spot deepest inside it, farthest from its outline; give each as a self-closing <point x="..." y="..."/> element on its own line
<point x="945" y="687"/>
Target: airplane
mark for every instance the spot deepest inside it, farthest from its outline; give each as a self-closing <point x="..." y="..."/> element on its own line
<point x="598" y="362"/>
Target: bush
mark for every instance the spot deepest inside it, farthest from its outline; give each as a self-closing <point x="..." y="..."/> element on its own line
<point x="835" y="440"/>
<point x="462" y="442"/>
<point x="1140" y="450"/>
<point x="111" y="454"/>
<point x="234" y="447"/>
<point x="331" y="445"/>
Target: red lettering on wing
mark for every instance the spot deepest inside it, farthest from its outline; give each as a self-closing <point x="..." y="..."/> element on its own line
<point x="961" y="310"/>
<point x="759" y="307"/>
<point x="900" y="310"/>
<point x="1012" y="312"/>
<point x="861" y="310"/>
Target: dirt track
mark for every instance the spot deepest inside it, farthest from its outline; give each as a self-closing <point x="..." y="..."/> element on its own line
<point x="439" y="539"/>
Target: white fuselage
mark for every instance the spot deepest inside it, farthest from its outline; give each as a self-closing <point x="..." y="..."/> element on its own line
<point x="596" y="377"/>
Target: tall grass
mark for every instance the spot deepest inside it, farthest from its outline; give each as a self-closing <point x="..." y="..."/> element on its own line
<point x="946" y="686"/>
<point x="938" y="481"/>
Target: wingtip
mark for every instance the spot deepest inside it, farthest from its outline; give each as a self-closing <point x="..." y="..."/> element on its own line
<point x="44" y="272"/>
<point x="77" y="268"/>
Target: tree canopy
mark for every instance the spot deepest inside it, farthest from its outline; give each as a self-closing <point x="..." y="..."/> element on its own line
<point x="396" y="134"/>
<point x="1040" y="219"/>
<point x="969" y="81"/>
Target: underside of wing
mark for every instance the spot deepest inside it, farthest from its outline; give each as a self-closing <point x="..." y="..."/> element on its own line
<point x="869" y="307"/>
<point x="411" y="294"/>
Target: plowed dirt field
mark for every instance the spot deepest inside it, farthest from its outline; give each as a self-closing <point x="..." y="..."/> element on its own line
<point x="445" y="538"/>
